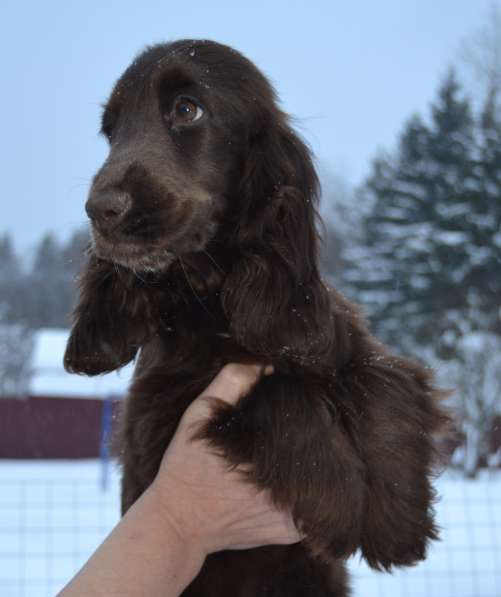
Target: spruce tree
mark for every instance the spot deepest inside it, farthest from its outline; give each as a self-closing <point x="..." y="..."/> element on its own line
<point x="429" y="266"/>
<point x="51" y="292"/>
<point x="10" y="274"/>
<point x="411" y="268"/>
<point x="48" y="260"/>
<point x="484" y="277"/>
<point x="73" y="252"/>
<point x="9" y="263"/>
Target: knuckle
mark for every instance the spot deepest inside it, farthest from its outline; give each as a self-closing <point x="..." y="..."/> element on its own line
<point x="235" y="373"/>
<point x="202" y="407"/>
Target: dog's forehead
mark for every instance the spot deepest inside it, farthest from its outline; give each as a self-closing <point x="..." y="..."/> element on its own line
<point x="199" y="60"/>
<point x="202" y="62"/>
<point x="212" y="71"/>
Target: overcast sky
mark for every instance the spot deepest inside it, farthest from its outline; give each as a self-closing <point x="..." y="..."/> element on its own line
<point x="350" y="71"/>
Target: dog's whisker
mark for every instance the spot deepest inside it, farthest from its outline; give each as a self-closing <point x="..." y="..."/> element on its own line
<point x="193" y="290"/>
<point x="214" y="261"/>
<point x="136" y="273"/>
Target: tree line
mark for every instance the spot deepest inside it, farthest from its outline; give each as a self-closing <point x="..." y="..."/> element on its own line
<point x="33" y="296"/>
<point x="41" y="294"/>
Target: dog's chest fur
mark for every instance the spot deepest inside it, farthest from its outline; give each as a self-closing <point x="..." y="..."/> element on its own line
<point x="164" y="385"/>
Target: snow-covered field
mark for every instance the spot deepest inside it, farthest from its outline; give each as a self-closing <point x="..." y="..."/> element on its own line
<point x="54" y="514"/>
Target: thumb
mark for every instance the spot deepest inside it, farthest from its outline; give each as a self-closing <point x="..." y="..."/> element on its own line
<point x="234" y="381"/>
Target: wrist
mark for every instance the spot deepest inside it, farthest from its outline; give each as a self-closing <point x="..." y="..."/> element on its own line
<point x="183" y="550"/>
<point x="169" y="510"/>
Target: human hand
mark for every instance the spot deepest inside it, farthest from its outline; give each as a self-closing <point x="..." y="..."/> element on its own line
<point x="208" y="504"/>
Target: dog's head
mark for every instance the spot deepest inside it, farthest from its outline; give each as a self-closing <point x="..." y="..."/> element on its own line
<point x="187" y="123"/>
<point x="201" y="153"/>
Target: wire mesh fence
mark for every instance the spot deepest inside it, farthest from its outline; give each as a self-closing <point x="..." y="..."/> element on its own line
<point x="467" y="560"/>
<point x="53" y="516"/>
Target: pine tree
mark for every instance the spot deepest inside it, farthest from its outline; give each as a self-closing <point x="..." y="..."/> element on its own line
<point x="429" y="266"/>
<point x="484" y="277"/>
<point x="45" y="296"/>
<point x="48" y="260"/>
<point x="16" y="344"/>
<point x="412" y="266"/>
<point x="9" y="263"/>
<point x="73" y="252"/>
<point x="9" y="276"/>
<point x="50" y="292"/>
<point x="339" y="224"/>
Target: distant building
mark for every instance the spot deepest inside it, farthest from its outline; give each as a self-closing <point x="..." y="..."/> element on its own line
<point x="62" y="415"/>
<point x="49" y="379"/>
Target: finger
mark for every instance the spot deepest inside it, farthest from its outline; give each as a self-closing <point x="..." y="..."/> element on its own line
<point x="234" y="381"/>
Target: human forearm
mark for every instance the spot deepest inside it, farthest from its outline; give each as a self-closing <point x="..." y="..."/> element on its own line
<point x="145" y="554"/>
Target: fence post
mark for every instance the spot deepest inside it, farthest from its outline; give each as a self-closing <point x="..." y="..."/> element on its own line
<point x="104" y="448"/>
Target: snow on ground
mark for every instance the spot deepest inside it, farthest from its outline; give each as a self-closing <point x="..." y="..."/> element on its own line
<point x="466" y="563"/>
<point x="54" y="514"/>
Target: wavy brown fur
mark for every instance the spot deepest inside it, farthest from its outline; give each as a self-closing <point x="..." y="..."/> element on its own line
<point x="215" y="260"/>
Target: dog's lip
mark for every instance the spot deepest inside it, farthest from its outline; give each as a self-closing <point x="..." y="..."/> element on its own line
<point x="118" y="249"/>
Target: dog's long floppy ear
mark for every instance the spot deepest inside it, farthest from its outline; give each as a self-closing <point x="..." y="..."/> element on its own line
<point x="275" y="301"/>
<point x="109" y="321"/>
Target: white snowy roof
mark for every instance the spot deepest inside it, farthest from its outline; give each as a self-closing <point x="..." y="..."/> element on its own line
<point x="50" y="379"/>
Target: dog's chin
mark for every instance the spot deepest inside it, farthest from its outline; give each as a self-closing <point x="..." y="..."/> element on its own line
<point x="152" y="259"/>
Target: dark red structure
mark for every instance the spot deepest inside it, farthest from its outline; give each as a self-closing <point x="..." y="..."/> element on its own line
<point x="47" y="427"/>
<point x="59" y="428"/>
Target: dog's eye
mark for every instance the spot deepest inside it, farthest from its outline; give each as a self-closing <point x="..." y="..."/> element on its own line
<point x="186" y="110"/>
<point x="107" y="131"/>
<point x="109" y="121"/>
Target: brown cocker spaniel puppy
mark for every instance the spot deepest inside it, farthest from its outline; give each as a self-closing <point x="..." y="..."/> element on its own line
<point x="205" y="252"/>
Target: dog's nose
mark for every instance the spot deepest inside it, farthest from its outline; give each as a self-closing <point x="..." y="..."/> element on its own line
<point x="107" y="208"/>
